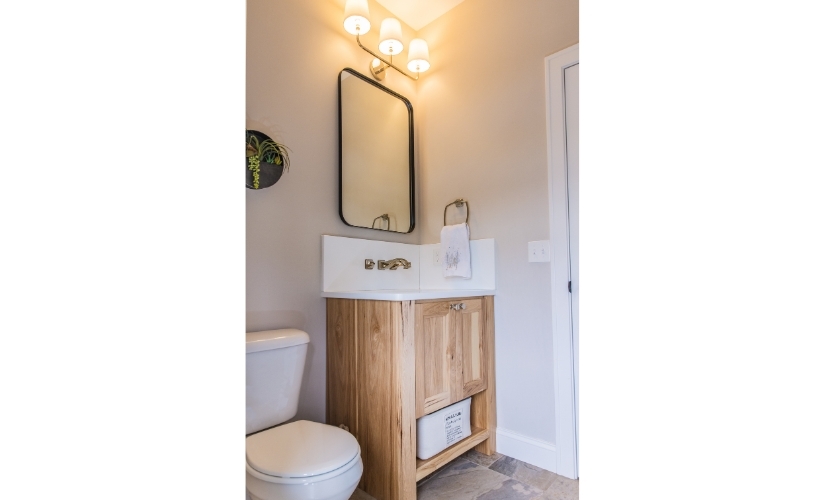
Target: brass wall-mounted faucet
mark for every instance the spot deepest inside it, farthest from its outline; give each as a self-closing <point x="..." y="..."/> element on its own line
<point x="393" y="264"/>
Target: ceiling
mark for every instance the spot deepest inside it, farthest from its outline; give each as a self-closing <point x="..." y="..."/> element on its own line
<point x="418" y="13"/>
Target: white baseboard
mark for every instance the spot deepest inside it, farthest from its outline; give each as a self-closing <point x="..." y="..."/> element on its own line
<point x="533" y="451"/>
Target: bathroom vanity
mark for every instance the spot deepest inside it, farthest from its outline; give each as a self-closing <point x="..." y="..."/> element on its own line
<point x="395" y="356"/>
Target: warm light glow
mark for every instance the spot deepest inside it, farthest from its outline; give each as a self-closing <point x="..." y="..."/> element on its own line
<point x="390" y="40"/>
<point x="356" y="17"/>
<point x="419" y="56"/>
<point x="356" y="22"/>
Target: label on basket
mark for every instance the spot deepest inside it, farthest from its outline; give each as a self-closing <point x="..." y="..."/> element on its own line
<point x="452" y="427"/>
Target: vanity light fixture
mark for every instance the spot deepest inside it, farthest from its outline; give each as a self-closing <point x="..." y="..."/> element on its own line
<point x="390" y="43"/>
<point x="356" y="17"/>
<point x="356" y="22"/>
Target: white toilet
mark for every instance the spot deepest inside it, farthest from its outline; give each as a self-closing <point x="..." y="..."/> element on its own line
<point x="297" y="461"/>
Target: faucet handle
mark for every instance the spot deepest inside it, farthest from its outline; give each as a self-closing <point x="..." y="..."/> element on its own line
<point x="393" y="264"/>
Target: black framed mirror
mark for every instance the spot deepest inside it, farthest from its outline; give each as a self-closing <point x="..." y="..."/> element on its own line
<point x="375" y="169"/>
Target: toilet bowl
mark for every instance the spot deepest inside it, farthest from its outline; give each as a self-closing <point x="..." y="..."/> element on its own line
<point x="302" y="461"/>
<point x="337" y="485"/>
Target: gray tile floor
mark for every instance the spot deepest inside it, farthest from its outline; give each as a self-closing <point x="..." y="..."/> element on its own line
<point x="474" y="476"/>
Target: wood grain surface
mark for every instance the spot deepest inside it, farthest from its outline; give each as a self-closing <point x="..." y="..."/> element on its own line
<point x="341" y="360"/>
<point x="427" y="467"/>
<point x="376" y="377"/>
<point x="470" y="352"/>
<point x="435" y="368"/>
<point x="483" y="411"/>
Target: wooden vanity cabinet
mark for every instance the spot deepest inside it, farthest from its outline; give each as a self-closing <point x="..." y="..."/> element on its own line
<point x="391" y="362"/>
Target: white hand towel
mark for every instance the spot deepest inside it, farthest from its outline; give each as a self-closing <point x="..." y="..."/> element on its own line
<point x="455" y="251"/>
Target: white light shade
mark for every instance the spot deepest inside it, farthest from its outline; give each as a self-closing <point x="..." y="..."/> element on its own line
<point x="356" y="17"/>
<point x="390" y="40"/>
<point x="419" y="56"/>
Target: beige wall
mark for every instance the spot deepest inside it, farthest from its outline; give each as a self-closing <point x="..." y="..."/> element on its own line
<point x="295" y="50"/>
<point x="483" y="138"/>
<point x="480" y="134"/>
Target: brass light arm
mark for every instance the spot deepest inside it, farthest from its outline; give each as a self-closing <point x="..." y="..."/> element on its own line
<point x="388" y="63"/>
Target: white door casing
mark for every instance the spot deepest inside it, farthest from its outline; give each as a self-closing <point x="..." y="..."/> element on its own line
<point x="564" y="352"/>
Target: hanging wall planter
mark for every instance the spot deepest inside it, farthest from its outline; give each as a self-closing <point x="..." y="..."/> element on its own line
<point x="266" y="160"/>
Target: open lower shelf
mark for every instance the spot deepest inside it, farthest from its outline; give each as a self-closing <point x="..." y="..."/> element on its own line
<point x="424" y="468"/>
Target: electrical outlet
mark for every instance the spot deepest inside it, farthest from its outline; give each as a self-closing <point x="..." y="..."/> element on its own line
<point x="538" y="251"/>
<point x="437" y="256"/>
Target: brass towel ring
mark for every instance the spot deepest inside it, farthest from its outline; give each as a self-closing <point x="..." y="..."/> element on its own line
<point x="458" y="203"/>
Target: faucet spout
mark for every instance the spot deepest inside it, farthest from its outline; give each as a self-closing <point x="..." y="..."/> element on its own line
<point x="393" y="264"/>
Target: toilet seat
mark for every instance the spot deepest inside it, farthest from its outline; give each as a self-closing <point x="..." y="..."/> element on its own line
<point x="355" y="462"/>
<point x="301" y="451"/>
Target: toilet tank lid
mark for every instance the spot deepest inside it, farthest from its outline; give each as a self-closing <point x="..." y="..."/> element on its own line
<point x="275" y="339"/>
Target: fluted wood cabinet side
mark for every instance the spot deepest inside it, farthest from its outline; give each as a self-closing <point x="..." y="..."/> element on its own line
<point x="341" y="356"/>
<point x="484" y="403"/>
<point x="371" y="389"/>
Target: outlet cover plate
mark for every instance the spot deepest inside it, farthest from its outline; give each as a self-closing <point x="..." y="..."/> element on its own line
<point x="538" y="251"/>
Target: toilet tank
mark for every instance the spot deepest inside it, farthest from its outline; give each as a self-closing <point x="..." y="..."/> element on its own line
<point x="274" y="368"/>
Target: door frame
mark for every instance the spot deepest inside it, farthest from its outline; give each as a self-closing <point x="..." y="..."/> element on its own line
<point x="560" y="306"/>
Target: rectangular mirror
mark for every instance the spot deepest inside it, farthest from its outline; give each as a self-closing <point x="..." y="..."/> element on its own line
<point x="376" y="172"/>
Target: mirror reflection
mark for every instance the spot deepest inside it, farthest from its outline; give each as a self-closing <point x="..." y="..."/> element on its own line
<point x="376" y="155"/>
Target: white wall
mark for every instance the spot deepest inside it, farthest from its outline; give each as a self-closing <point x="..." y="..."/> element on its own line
<point x="479" y="115"/>
<point x="295" y="50"/>
<point x="483" y="138"/>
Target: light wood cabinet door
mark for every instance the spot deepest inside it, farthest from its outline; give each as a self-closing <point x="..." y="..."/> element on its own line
<point x="469" y="325"/>
<point x="435" y="367"/>
<point x="449" y="353"/>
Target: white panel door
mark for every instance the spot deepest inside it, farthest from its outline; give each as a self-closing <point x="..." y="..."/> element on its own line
<point x="561" y="72"/>
<point x="571" y="129"/>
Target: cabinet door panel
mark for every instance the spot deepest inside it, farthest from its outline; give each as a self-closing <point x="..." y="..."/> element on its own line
<point x="472" y="376"/>
<point x="434" y="357"/>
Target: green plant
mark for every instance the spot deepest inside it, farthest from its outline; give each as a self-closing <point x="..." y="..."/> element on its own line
<point x="267" y="151"/>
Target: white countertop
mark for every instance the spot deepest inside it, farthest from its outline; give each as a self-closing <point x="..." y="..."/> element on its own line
<point x="397" y="295"/>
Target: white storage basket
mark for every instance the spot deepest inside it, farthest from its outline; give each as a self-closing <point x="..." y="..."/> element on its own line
<point x="443" y="428"/>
